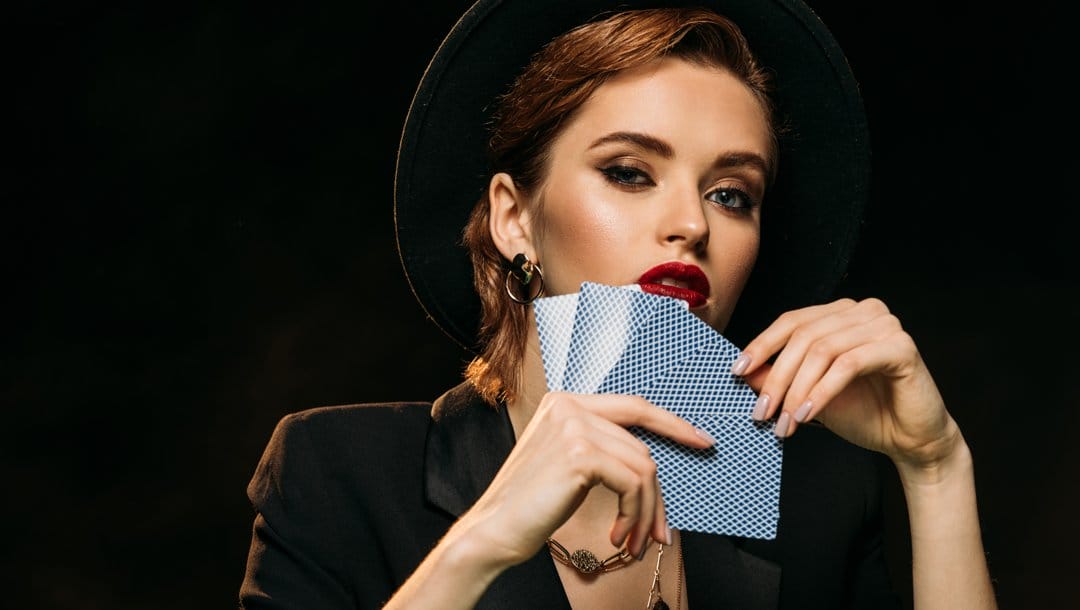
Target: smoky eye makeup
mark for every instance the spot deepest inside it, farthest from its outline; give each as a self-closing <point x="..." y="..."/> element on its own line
<point x="732" y="198"/>
<point x="625" y="174"/>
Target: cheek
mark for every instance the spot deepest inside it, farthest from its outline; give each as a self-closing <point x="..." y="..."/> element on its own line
<point x="584" y="239"/>
<point x="585" y="224"/>
<point x="738" y="251"/>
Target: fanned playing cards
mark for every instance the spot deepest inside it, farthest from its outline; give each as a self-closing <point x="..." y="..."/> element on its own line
<point x="620" y="340"/>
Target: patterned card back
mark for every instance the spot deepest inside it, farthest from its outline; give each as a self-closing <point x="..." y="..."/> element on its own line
<point x="555" y="323"/>
<point x="629" y="342"/>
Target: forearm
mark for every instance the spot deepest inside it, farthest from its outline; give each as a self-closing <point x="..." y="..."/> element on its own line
<point x="455" y="574"/>
<point x="949" y="568"/>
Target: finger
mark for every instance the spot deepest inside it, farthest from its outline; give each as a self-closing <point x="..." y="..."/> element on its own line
<point x="627" y="410"/>
<point x="661" y="530"/>
<point x="631" y="527"/>
<point x="610" y="415"/>
<point x="588" y="431"/>
<point x="647" y="513"/>
<point x="651" y="522"/>
<point x="639" y="457"/>
<point x="617" y="433"/>
<point x="637" y="493"/>
<point x="820" y="356"/>
<point x="776" y="335"/>
<point x="794" y="352"/>
<point x="865" y="359"/>
<point x="656" y="528"/>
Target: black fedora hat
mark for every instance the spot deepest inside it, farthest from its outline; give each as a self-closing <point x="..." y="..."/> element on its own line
<point x="812" y="213"/>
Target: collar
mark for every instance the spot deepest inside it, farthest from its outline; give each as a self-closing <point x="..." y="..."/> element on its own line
<point x="469" y="440"/>
<point x="467" y="443"/>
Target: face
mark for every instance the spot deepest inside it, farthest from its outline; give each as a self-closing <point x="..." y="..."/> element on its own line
<point x="657" y="181"/>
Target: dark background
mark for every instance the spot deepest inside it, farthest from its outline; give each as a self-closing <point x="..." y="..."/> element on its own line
<point x="197" y="240"/>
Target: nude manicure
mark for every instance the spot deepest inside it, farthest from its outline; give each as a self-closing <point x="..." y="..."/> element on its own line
<point x="740" y="365"/>
<point x="803" y="411"/>
<point x="705" y="435"/>
<point x="760" y="407"/>
<point x="782" y="425"/>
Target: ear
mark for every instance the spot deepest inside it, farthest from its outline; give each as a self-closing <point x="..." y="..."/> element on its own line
<point x="509" y="218"/>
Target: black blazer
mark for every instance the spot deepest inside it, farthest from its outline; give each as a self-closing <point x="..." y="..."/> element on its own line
<point x="349" y="500"/>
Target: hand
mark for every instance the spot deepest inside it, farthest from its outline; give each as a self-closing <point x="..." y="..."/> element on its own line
<point x="572" y="443"/>
<point x="851" y="366"/>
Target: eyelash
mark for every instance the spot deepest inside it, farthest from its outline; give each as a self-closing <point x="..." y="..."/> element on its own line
<point x="617" y="175"/>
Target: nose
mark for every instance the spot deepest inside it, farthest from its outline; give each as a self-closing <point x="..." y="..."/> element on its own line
<point x="683" y="221"/>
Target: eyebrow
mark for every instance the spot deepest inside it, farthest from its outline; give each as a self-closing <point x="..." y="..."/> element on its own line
<point x="662" y="148"/>
<point x="640" y="140"/>
<point x="744" y="159"/>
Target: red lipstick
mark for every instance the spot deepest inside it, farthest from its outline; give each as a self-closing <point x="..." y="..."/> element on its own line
<point x="677" y="280"/>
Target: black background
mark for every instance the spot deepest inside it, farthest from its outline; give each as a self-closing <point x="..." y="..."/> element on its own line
<point x="197" y="240"/>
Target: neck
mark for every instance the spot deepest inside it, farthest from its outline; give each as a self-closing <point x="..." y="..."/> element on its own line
<point x="533" y="384"/>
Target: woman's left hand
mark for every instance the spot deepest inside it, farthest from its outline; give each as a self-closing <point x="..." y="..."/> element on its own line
<point x="850" y="365"/>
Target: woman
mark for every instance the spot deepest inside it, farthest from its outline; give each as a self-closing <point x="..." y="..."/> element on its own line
<point x="644" y="147"/>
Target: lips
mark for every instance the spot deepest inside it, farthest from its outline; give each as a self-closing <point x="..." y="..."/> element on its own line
<point x="677" y="280"/>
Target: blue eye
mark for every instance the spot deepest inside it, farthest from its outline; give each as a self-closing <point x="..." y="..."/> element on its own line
<point x="626" y="175"/>
<point x="732" y="198"/>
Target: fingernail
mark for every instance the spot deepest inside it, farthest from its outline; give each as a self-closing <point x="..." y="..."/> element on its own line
<point x="705" y="435"/>
<point x="741" y="363"/>
<point x="760" y="407"/>
<point x="803" y="411"/>
<point x="667" y="538"/>
<point x="782" y="425"/>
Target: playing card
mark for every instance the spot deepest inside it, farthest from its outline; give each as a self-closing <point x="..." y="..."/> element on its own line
<point x="629" y="342"/>
<point x="555" y="323"/>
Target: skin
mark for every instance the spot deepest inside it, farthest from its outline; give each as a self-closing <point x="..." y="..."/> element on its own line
<point x="635" y="182"/>
<point x="611" y="208"/>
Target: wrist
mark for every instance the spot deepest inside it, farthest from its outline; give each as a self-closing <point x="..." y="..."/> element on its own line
<point x="474" y="545"/>
<point x="948" y="460"/>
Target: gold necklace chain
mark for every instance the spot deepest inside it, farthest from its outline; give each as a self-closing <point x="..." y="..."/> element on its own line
<point x="679" y="578"/>
<point x="584" y="561"/>
<point x="654" y="589"/>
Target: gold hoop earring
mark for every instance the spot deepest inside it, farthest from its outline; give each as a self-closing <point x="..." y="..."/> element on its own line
<point x="525" y="271"/>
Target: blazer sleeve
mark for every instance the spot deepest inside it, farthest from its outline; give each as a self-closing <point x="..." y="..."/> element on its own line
<point x="873" y="587"/>
<point x="291" y="563"/>
<point x="831" y="537"/>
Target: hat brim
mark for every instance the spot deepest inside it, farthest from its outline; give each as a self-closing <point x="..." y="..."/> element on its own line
<point x="811" y="216"/>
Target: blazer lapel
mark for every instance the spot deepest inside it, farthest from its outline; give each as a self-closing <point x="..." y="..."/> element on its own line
<point x="721" y="575"/>
<point x="468" y="441"/>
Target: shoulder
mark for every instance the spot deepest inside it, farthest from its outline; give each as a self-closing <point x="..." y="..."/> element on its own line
<point x="348" y="424"/>
<point x="332" y="443"/>
<point x="333" y="484"/>
<point x="357" y="426"/>
<point x="330" y="418"/>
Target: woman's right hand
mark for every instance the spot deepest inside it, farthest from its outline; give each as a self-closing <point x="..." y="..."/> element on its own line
<point x="572" y="443"/>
